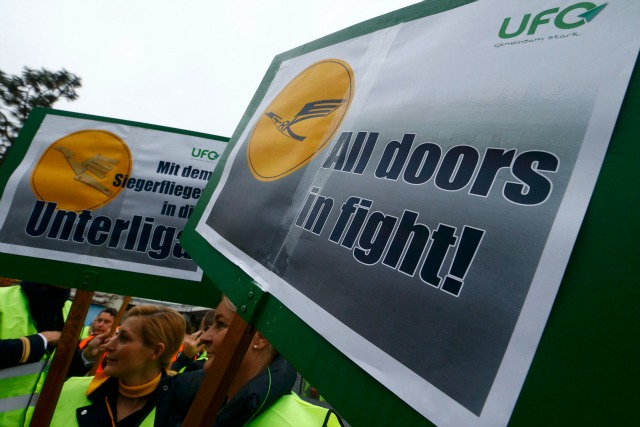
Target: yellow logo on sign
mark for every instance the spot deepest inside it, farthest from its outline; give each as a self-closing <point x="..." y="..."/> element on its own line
<point x="301" y="120"/>
<point x="77" y="170"/>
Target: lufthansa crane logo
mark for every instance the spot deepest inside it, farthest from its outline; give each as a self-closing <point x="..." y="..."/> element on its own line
<point x="300" y="122"/>
<point x="309" y="111"/>
<point x="77" y="170"/>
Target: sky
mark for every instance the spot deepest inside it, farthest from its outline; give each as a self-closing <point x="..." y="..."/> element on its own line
<point x="190" y="64"/>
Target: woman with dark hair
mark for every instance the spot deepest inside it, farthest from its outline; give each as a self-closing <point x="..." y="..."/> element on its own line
<point x="192" y="354"/>
<point x="137" y="357"/>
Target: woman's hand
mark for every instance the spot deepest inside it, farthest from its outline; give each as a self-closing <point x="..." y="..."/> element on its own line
<point x="191" y="344"/>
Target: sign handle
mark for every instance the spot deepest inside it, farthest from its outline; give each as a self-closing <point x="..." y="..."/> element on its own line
<point x="220" y="374"/>
<point x="43" y="412"/>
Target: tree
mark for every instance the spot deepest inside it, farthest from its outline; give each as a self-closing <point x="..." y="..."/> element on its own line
<point x="33" y="88"/>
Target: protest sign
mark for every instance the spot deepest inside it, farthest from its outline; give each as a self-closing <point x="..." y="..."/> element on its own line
<point x="86" y="195"/>
<point x="412" y="188"/>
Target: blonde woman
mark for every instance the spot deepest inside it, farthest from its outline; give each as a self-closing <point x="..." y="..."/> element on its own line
<point x="137" y="357"/>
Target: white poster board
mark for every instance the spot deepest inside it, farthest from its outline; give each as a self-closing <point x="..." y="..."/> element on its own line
<point x="107" y="194"/>
<point x="414" y="194"/>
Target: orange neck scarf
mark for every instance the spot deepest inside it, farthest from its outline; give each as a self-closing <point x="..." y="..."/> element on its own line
<point x="136" y="391"/>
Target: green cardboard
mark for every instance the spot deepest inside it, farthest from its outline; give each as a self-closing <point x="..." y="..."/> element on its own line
<point x="73" y="275"/>
<point x="585" y="369"/>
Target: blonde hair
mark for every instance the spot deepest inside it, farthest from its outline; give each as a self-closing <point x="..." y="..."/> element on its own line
<point x="160" y="325"/>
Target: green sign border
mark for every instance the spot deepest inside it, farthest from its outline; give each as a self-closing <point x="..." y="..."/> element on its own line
<point x="585" y="371"/>
<point x="72" y="275"/>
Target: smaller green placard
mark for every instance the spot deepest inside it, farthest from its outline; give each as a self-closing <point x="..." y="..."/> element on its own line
<point x="99" y="204"/>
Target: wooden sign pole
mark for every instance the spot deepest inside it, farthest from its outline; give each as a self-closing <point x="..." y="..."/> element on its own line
<point x="220" y="374"/>
<point x="65" y="351"/>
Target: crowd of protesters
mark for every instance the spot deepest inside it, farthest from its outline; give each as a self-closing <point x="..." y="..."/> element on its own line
<point x="149" y="371"/>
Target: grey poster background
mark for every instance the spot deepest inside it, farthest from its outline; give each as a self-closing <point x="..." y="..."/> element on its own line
<point x="456" y="343"/>
<point x="452" y="81"/>
<point x="148" y="147"/>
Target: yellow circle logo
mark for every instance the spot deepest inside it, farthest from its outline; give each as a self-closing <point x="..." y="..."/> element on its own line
<point x="301" y="120"/>
<point x="77" y="170"/>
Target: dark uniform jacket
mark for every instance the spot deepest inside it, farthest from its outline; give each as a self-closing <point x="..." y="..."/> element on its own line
<point x="176" y="393"/>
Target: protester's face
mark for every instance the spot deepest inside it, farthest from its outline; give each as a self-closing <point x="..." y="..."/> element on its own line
<point x="102" y="323"/>
<point x="215" y="334"/>
<point x="127" y="355"/>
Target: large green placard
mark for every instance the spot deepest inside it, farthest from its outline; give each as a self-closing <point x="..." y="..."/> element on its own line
<point x="584" y="368"/>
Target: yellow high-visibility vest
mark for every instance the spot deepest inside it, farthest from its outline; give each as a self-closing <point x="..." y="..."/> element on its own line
<point x="74" y="396"/>
<point x="20" y="385"/>
<point x="291" y="411"/>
